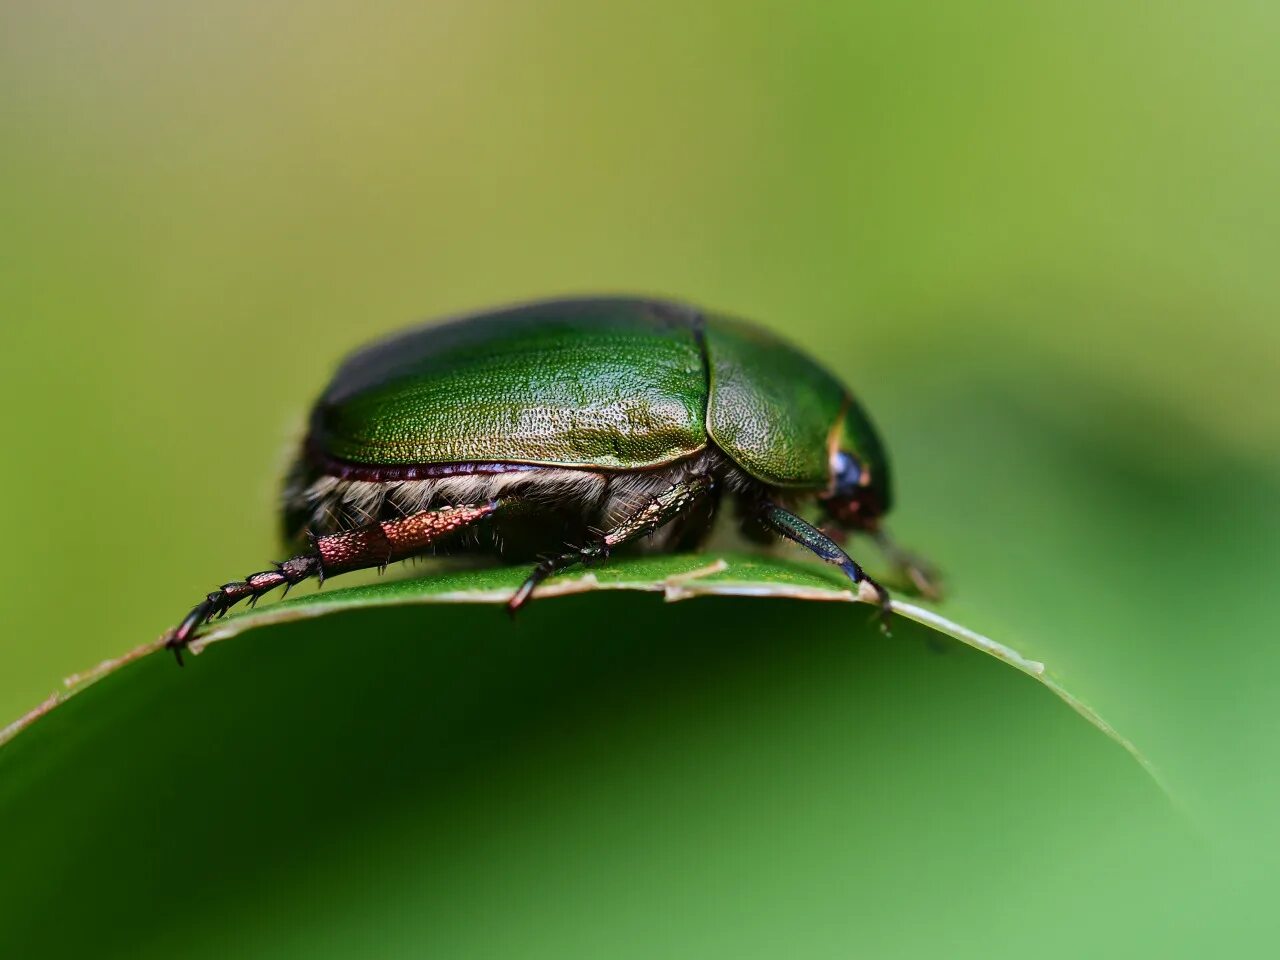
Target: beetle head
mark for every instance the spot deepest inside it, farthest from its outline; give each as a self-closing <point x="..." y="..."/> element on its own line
<point x="858" y="490"/>
<point x="856" y="498"/>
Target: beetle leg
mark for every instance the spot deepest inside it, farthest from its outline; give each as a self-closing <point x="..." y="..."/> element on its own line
<point x="794" y="528"/>
<point x="657" y="513"/>
<point x="373" y="545"/>
<point x="922" y="574"/>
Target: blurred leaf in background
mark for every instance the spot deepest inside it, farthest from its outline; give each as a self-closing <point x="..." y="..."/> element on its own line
<point x="1038" y="240"/>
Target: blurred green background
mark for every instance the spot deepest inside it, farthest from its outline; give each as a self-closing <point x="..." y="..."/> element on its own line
<point x="1038" y="239"/>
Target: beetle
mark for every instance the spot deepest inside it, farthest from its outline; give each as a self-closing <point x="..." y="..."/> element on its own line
<point x="563" y="430"/>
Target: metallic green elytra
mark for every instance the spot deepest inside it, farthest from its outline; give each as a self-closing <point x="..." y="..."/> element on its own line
<point x="597" y="423"/>
<point x="613" y="384"/>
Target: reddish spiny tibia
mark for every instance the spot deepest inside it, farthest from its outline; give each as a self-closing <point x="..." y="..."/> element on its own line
<point x="375" y="545"/>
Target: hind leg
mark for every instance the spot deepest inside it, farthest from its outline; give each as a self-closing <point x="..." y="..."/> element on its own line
<point x="373" y="545"/>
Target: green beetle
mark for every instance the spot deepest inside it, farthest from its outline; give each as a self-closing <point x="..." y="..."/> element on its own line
<point x="591" y="424"/>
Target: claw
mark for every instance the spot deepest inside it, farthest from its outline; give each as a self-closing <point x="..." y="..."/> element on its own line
<point x="521" y="596"/>
<point x="886" y="610"/>
<point x="181" y="636"/>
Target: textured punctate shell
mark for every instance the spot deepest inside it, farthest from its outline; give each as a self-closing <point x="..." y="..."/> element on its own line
<point x="617" y="384"/>
<point x="614" y="384"/>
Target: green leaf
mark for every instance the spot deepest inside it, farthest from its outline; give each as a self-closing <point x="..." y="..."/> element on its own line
<point x="680" y="577"/>
<point x="355" y="751"/>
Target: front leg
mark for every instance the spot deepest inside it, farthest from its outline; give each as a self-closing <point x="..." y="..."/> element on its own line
<point x="657" y="513"/>
<point x="804" y="533"/>
<point x="373" y="545"/>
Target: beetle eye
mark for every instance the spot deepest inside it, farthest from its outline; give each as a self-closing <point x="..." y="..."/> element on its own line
<point x="848" y="473"/>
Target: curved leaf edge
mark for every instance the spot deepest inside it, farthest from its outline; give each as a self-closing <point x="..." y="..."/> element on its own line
<point x="677" y="578"/>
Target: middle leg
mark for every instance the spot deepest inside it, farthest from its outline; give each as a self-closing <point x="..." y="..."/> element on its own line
<point x="659" y="511"/>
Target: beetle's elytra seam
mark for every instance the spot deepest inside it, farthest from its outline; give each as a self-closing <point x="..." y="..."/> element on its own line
<point x="331" y="466"/>
<point x="698" y="326"/>
<point x="376" y="473"/>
